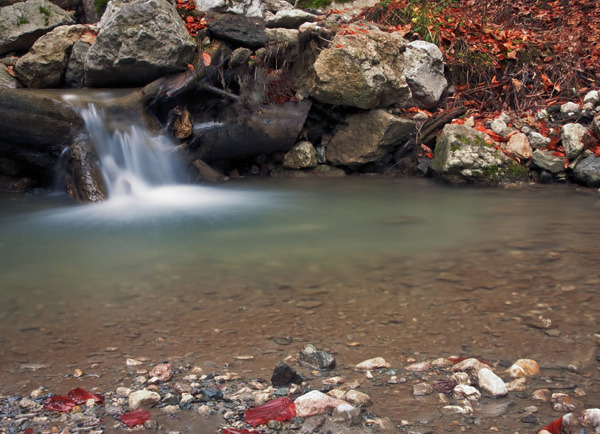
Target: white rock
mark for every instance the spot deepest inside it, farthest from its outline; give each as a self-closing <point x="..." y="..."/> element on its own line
<point x="491" y="383"/>
<point x="461" y="378"/>
<point x="346" y="413"/>
<point x="591" y="418"/>
<point x="143" y="398"/>
<point x="462" y="391"/>
<point x="469" y="365"/>
<point x="571" y="136"/>
<point x="419" y="367"/>
<point x="592" y="96"/>
<point x="421" y="389"/>
<point x="375" y="363"/>
<point x="517" y="385"/>
<point x="498" y="126"/>
<point x="315" y="402"/>
<point x="518" y="145"/>
<point x="569" y="108"/>
<point x="337" y="393"/>
<point x="358" y="399"/>
<point x="333" y="381"/>
<point x="537" y="140"/>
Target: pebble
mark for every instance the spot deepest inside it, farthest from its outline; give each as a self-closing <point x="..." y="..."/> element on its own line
<point x="333" y="381"/>
<point x="284" y="375"/>
<point x="346" y="413"/>
<point x="541" y="395"/>
<point x="517" y="385"/>
<point x="469" y="365"/>
<point x="77" y="373"/>
<point x="314" y="403"/>
<point x="524" y="368"/>
<point x="463" y="391"/>
<point x="133" y="362"/>
<point x="421" y="389"/>
<point x="316" y="359"/>
<point x="358" y="399"/>
<point x="491" y="383"/>
<point x="370" y="364"/>
<point x="143" y="398"/>
<point x="419" y="367"/>
<point x="123" y="391"/>
<point x="161" y="372"/>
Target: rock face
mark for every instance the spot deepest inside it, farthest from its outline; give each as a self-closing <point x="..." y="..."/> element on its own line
<point x="363" y="70"/>
<point x="424" y="72"/>
<point x="44" y="65"/>
<point x="139" y="41"/>
<point x="7" y="80"/>
<point x="462" y="154"/>
<point x="366" y="137"/>
<point x="546" y="160"/>
<point x="23" y="23"/>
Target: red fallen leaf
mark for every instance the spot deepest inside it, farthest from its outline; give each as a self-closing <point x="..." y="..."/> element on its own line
<point x="280" y="409"/>
<point x="339" y="46"/>
<point x="28" y="431"/>
<point x="554" y="427"/>
<point x="206" y="59"/>
<point x="59" y="403"/>
<point x="81" y="396"/>
<point x="136" y="417"/>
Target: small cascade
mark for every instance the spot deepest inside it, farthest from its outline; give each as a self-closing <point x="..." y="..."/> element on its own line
<point x="132" y="161"/>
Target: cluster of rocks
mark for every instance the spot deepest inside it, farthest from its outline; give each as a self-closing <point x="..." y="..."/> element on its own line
<point x="323" y="400"/>
<point x="272" y="91"/>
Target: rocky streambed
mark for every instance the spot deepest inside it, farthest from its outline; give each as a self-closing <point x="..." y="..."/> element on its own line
<point x="223" y="333"/>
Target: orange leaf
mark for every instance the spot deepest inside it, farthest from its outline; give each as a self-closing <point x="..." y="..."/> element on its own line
<point x="511" y="54"/>
<point x="206" y="59"/>
<point x="89" y="37"/>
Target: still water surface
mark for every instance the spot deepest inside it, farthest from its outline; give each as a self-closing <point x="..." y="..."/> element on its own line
<point x="364" y="267"/>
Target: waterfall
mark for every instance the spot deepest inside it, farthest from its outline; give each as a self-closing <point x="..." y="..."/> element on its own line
<point x="133" y="160"/>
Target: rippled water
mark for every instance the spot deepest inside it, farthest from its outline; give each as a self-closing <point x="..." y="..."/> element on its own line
<point x="399" y="268"/>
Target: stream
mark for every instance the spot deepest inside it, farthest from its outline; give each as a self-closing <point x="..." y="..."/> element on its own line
<point x="405" y="269"/>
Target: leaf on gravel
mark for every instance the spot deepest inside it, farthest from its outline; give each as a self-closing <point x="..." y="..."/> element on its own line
<point x="59" y="403"/>
<point x="280" y="409"/>
<point x="136" y="417"/>
<point x="81" y="396"/>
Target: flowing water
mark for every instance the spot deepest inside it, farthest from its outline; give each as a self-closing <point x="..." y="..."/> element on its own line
<point x="363" y="267"/>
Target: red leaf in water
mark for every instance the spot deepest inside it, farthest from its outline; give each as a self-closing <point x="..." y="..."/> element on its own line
<point x="136" y="417"/>
<point x="59" y="403"/>
<point x="81" y="396"/>
<point x="554" y="427"/>
<point x="280" y="409"/>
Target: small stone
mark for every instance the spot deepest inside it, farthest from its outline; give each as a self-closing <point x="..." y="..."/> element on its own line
<point x="461" y="378"/>
<point x="591" y="418"/>
<point x="143" y="398"/>
<point x="541" y="323"/>
<point x="337" y="393"/>
<point x="284" y="375"/>
<point x="471" y="364"/>
<point x="36" y="393"/>
<point x="419" y="367"/>
<point x="27" y="403"/>
<point x="537" y="140"/>
<point x="498" y="126"/>
<point x="211" y="394"/>
<point x="518" y="145"/>
<point x="370" y="364"/>
<point x="123" y="391"/>
<point x="517" y="385"/>
<point x="491" y="383"/>
<point x="441" y="363"/>
<point x="421" y="389"/>
<point x="569" y="108"/>
<point x="563" y="402"/>
<point x="541" y="395"/>
<point x="77" y="373"/>
<point x="462" y="391"/>
<point x="572" y="139"/>
<point x="316" y="359"/>
<point x="133" y="362"/>
<point x="529" y="418"/>
<point x="346" y="413"/>
<point x="579" y="392"/>
<point x="524" y="368"/>
<point x="314" y="403"/>
<point x="358" y="399"/>
<point x="170" y="409"/>
<point x="333" y="381"/>
<point x="161" y="372"/>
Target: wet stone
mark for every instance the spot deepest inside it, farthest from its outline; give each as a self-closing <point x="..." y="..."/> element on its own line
<point x="421" y="389"/>
<point x="316" y="359"/>
<point x="284" y="375"/>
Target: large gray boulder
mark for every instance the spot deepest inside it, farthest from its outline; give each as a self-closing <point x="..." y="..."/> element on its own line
<point x="45" y="63"/>
<point x="362" y="69"/>
<point x="139" y="41"/>
<point x="23" y="23"/>
<point x="463" y="155"/>
<point x="587" y="171"/>
<point x="424" y="72"/>
<point x="546" y="160"/>
<point x="367" y="137"/>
